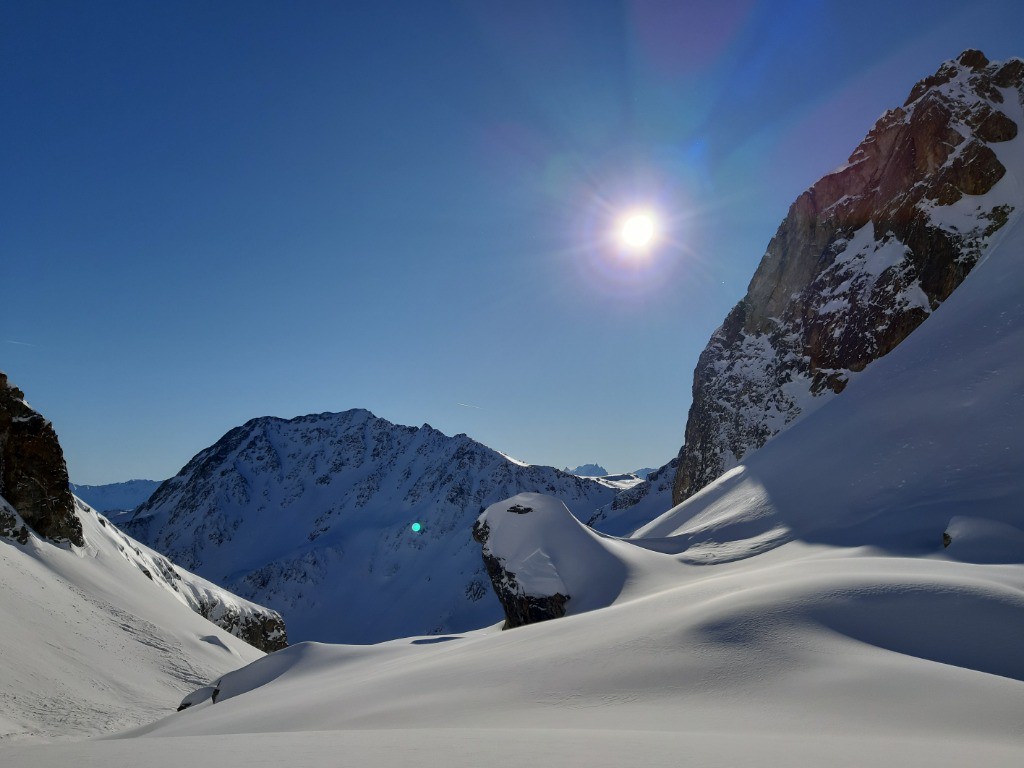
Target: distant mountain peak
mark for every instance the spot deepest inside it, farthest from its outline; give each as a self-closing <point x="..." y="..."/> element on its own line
<point x="116" y="497"/>
<point x="587" y="470"/>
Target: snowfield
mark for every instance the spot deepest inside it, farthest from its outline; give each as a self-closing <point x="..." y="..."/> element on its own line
<point x="90" y="644"/>
<point x="801" y="611"/>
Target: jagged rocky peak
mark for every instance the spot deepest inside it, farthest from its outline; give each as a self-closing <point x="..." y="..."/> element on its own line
<point x="328" y="517"/>
<point x="861" y="259"/>
<point x="587" y="470"/>
<point x="33" y="475"/>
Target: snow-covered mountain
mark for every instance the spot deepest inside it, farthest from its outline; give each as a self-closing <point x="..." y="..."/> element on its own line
<point x="116" y="497"/>
<point x="314" y="517"/>
<point x="98" y="632"/>
<point x="863" y="257"/>
<point x="107" y="635"/>
<point x="800" y="611"/>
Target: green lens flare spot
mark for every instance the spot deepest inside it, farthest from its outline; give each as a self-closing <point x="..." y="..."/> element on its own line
<point x="416" y="527"/>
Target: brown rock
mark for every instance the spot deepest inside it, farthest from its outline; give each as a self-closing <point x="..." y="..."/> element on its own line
<point x="974" y="59"/>
<point x="33" y="475"/>
<point x="1010" y="75"/>
<point x="993" y="126"/>
<point x="816" y="310"/>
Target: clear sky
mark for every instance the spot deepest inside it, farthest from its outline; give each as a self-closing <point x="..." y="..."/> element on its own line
<point x="212" y="211"/>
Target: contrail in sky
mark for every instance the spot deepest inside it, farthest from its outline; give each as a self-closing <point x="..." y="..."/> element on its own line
<point x="467" y="405"/>
<point x="19" y="343"/>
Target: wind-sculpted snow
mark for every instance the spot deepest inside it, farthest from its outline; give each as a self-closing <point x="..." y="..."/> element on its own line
<point x="926" y="442"/>
<point x="851" y="594"/>
<point x="848" y="596"/>
<point x="313" y="517"/>
<point x="861" y="260"/>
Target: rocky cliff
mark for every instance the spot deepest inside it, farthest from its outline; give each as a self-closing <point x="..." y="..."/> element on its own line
<point x="861" y="259"/>
<point x="33" y="475"/>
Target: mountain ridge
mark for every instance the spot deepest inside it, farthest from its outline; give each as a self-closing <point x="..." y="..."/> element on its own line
<point x="314" y="516"/>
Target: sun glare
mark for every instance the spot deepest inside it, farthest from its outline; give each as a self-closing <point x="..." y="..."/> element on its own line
<point x="638" y="231"/>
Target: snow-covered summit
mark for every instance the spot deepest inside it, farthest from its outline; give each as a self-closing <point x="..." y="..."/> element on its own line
<point x="587" y="470"/>
<point x="313" y="516"/>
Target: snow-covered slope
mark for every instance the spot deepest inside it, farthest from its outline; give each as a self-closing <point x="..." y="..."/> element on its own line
<point x="313" y="517"/>
<point x="98" y="638"/>
<point x="852" y="594"/>
<point x="116" y="497"/>
<point x="802" y="611"/>
<point x="927" y="440"/>
<point x="638" y="504"/>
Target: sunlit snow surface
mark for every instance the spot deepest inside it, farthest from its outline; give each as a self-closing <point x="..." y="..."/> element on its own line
<point x="96" y="639"/>
<point x="800" y="611"/>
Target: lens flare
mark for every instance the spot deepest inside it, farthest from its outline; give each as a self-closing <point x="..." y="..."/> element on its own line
<point x="416" y="527"/>
<point x="638" y="230"/>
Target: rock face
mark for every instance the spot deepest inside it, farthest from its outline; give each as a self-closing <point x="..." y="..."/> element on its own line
<point x="33" y="475"/>
<point x="314" y="516"/>
<point x="520" y="608"/>
<point x="263" y="628"/>
<point x="862" y="258"/>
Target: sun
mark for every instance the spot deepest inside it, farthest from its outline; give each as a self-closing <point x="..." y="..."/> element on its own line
<point x="638" y="230"/>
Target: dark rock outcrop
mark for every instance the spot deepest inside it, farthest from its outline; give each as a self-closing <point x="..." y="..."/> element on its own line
<point x="11" y="524"/>
<point x="33" y="475"/>
<point x="862" y="258"/>
<point x="264" y="630"/>
<point x="520" y="608"/>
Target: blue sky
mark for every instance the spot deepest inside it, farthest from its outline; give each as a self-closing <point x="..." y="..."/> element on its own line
<point x="216" y="211"/>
